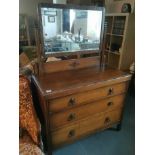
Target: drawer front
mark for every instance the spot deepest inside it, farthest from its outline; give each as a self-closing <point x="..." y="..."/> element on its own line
<point x="65" y="134"/>
<point x="85" y="127"/>
<point x="74" y="114"/>
<point x="103" y="121"/>
<point x="70" y="101"/>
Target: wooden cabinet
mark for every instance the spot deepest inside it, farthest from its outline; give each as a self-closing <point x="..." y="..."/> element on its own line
<point x="77" y="106"/>
<point x="79" y="97"/>
<point x="119" y="48"/>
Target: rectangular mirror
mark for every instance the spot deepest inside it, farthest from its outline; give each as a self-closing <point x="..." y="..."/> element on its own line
<point x="70" y="29"/>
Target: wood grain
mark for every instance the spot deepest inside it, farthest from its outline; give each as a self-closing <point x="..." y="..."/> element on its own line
<point x="89" y="88"/>
<point x="63" y="103"/>
<point x="69" y="82"/>
<point x="56" y="66"/>
<point x="85" y="127"/>
<point x="62" y="118"/>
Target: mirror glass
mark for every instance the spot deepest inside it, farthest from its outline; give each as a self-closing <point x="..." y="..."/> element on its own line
<point x="70" y="30"/>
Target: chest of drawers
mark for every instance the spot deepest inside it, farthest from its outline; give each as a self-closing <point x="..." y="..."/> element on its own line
<point x="78" y="103"/>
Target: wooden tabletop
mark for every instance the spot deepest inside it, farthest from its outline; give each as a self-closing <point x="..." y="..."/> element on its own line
<point x="68" y="82"/>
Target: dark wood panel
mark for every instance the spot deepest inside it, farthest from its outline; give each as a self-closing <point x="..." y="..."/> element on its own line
<point x="56" y="66"/>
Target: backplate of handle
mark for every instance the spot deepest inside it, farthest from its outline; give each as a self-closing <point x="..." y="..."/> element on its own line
<point x="107" y="120"/>
<point x="71" y="117"/>
<point x="110" y="104"/>
<point x="72" y="102"/>
<point x="110" y="91"/>
<point x="71" y="133"/>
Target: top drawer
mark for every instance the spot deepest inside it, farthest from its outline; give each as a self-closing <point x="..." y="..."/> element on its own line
<point x="59" y="104"/>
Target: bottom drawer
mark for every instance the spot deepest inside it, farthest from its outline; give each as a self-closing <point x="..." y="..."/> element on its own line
<point x="65" y="134"/>
<point x="104" y="120"/>
<point x="85" y="127"/>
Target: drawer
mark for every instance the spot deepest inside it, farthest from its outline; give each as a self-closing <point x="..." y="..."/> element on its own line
<point x="85" y="127"/>
<point x="67" y="102"/>
<point x="65" y="134"/>
<point x="74" y="114"/>
<point x="103" y="121"/>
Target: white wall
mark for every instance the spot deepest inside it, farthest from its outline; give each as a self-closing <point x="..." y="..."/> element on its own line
<point x="50" y="28"/>
<point x="94" y="25"/>
<point x="81" y="23"/>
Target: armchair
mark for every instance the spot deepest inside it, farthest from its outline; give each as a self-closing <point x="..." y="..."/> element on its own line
<point x="29" y="126"/>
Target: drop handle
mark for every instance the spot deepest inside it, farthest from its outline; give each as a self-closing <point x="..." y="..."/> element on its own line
<point x="107" y="120"/>
<point x="110" y="91"/>
<point x="72" y="102"/>
<point x="110" y="104"/>
<point x="71" y="133"/>
<point x="71" y="117"/>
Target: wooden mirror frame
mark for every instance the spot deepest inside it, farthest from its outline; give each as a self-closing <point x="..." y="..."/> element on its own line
<point x="71" y="63"/>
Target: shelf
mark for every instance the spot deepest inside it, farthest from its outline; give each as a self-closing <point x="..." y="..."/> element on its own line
<point x="108" y="33"/>
<point x="117" y="14"/>
<point x="119" y="35"/>
<point x="107" y="50"/>
<point x="116" y="53"/>
<point x="23" y="40"/>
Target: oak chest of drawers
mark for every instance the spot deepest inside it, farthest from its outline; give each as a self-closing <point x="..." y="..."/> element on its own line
<point x="77" y="103"/>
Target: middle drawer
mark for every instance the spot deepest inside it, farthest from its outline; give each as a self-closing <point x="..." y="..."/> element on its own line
<point x="59" y="119"/>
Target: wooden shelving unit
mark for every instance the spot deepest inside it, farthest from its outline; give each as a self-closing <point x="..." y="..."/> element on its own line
<point x="27" y="27"/>
<point x="24" y="32"/>
<point x="119" y="31"/>
<point x="116" y="53"/>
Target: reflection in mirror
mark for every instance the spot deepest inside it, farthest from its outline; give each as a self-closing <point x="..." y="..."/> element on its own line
<point x="70" y="30"/>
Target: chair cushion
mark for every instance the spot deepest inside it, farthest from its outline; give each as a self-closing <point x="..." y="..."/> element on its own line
<point x="27" y="146"/>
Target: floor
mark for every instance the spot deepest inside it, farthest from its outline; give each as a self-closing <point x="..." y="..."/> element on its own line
<point x="108" y="142"/>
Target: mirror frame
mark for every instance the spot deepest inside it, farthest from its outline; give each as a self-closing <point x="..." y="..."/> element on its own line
<point x="70" y="6"/>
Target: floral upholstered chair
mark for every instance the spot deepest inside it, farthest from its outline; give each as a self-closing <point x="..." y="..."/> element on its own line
<point x="29" y="126"/>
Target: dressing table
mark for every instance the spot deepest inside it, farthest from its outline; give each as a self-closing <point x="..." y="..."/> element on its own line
<point x="78" y="97"/>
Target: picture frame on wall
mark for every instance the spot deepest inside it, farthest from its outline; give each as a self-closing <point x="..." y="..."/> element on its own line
<point x="81" y="14"/>
<point x="52" y="13"/>
<point x="51" y="19"/>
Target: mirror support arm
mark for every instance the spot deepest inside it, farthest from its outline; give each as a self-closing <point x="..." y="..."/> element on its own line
<point x="38" y="49"/>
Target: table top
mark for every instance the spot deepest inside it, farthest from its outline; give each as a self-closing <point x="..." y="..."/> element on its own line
<point x="68" y="82"/>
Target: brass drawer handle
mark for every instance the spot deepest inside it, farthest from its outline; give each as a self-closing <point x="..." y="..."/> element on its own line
<point x="71" y="117"/>
<point x="110" y="104"/>
<point x="72" y="102"/>
<point x="107" y="120"/>
<point x="110" y="91"/>
<point x="71" y="133"/>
